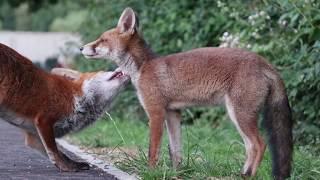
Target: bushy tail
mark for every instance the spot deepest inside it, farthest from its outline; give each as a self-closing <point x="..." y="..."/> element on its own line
<point x="278" y="122"/>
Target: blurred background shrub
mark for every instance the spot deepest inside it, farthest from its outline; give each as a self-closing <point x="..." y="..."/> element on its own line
<point x="286" y="32"/>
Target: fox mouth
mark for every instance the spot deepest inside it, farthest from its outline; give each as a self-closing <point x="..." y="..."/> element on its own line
<point x="90" y="55"/>
<point x="116" y="75"/>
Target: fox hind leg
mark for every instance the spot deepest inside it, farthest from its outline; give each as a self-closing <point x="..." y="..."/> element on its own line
<point x="246" y="122"/>
<point x="34" y="142"/>
<point x="46" y="134"/>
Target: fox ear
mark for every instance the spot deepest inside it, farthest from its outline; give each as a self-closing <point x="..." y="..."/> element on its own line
<point x="67" y="73"/>
<point x="128" y="21"/>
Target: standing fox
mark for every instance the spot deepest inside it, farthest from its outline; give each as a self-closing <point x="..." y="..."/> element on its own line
<point x="47" y="106"/>
<point x="242" y="81"/>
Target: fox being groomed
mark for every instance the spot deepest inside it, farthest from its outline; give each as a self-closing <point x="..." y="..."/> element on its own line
<point x="46" y="106"/>
<point x="240" y="80"/>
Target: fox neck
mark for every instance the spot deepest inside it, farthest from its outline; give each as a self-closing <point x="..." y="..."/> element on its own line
<point x="87" y="109"/>
<point x="137" y="54"/>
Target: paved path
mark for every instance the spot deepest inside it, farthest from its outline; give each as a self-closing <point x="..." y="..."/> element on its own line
<point x="19" y="162"/>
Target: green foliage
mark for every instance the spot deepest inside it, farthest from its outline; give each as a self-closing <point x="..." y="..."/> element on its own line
<point x="61" y="16"/>
<point x="34" y="4"/>
<point x="104" y="134"/>
<point x="53" y="15"/>
<point x="22" y="17"/>
<point x="7" y="15"/>
<point x="42" y="18"/>
<point x="70" y="23"/>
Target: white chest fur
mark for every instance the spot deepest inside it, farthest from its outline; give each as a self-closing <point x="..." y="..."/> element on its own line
<point x="135" y="75"/>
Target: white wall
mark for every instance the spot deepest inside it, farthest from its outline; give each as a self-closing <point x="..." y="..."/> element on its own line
<point x="38" y="46"/>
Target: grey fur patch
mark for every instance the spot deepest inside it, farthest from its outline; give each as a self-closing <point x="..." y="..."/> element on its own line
<point x="87" y="111"/>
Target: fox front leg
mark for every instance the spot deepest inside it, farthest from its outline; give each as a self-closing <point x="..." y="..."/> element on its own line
<point x="173" y="123"/>
<point x="156" y="119"/>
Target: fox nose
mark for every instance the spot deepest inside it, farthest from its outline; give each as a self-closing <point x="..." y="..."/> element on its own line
<point x="81" y="48"/>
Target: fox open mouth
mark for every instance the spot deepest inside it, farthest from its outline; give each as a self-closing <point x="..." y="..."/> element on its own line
<point x="90" y="55"/>
<point x="116" y="74"/>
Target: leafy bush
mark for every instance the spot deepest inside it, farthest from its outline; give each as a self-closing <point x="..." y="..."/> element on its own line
<point x="7" y="15"/>
<point x="71" y="22"/>
<point x="44" y="17"/>
<point x="40" y="16"/>
<point x="61" y="16"/>
<point x="22" y="17"/>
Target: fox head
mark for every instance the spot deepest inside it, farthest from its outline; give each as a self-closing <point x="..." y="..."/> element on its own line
<point x="98" y="89"/>
<point x="119" y="44"/>
<point x="101" y="85"/>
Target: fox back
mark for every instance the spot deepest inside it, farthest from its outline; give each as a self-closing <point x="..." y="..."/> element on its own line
<point x="184" y="81"/>
<point x="28" y="90"/>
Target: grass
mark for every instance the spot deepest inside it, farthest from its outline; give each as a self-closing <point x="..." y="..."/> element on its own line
<point x="208" y="152"/>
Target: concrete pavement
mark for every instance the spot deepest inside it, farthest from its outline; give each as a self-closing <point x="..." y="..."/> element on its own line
<point x="19" y="162"/>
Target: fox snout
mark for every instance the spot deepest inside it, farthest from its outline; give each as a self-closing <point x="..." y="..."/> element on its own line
<point x="89" y="50"/>
<point x="95" y="51"/>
